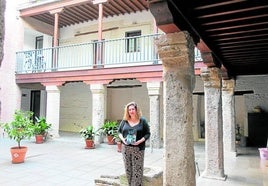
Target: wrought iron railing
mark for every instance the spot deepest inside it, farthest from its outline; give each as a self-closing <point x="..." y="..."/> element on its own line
<point x="128" y="51"/>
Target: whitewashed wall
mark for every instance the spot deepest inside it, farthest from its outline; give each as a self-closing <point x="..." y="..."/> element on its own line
<point x="124" y="23"/>
<point x="119" y="97"/>
<point x="76" y="104"/>
<point x="10" y="94"/>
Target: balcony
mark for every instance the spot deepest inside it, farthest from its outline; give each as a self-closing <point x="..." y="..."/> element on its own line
<point x="129" y="51"/>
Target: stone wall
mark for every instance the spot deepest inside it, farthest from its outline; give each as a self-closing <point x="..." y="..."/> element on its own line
<point x="2" y="28"/>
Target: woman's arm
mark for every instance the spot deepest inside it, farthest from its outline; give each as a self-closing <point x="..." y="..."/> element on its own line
<point x="146" y="130"/>
<point x="120" y="131"/>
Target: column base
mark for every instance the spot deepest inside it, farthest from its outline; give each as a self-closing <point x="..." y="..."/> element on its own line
<point x="230" y="154"/>
<point x="53" y="135"/>
<point x="215" y="177"/>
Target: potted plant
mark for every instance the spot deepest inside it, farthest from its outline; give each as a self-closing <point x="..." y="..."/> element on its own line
<point x="41" y="128"/>
<point x="20" y="128"/>
<point x="88" y="134"/>
<point x="118" y="142"/>
<point x="109" y="128"/>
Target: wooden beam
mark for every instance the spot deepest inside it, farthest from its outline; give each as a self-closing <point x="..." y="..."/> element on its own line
<point x="105" y="75"/>
<point x="96" y="31"/>
<point x="38" y="26"/>
<point x="163" y="16"/>
<point x="26" y="12"/>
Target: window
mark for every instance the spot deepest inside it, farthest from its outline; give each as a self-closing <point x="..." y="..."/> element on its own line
<point x="39" y="42"/>
<point x="133" y="41"/>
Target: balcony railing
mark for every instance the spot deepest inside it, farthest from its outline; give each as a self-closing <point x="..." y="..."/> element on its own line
<point x="128" y="51"/>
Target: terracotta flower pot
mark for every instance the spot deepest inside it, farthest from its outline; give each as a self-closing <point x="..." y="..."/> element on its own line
<point x="110" y="140"/>
<point x="39" y="138"/>
<point x="89" y="144"/>
<point x="18" y="154"/>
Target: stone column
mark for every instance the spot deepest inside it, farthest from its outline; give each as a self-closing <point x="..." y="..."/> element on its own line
<point x="176" y="50"/>
<point x="154" y="92"/>
<point x="214" y="167"/>
<point x="196" y="117"/>
<point x="228" y="117"/>
<point x="98" y="108"/>
<point x="53" y="108"/>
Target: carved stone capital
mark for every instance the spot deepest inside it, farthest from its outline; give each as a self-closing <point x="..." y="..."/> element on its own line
<point x="228" y="86"/>
<point x="176" y="50"/>
<point x="211" y="77"/>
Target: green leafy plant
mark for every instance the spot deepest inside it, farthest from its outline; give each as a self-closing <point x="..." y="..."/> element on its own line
<point x="21" y="127"/>
<point x="88" y="133"/>
<point x="41" y="126"/>
<point x="116" y="137"/>
<point x="109" y="128"/>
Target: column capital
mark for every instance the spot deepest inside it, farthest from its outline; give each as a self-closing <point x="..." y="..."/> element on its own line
<point x="56" y="11"/>
<point x="211" y="77"/>
<point x="97" y="88"/>
<point x="176" y="50"/>
<point x="52" y="88"/>
<point x="153" y="88"/>
<point x="228" y="85"/>
<point x="95" y="2"/>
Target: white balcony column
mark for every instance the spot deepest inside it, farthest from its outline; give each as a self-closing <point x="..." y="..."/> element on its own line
<point x="228" y="117"/>
<point x="53" y="109"/>
<point x="214" y="166"/>
<point x="98" y="107"/>
<point x="154" y="92"/>
<point x="176" y="50"/>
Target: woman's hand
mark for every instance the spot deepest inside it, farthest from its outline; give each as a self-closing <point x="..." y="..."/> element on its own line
<point x="122" y="139"/>
<point x="139" y="141"/>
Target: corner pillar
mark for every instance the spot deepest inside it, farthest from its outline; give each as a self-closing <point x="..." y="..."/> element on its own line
<point x="154" y="92"/>
<point x="214" y="168"/>
<point x="176" y="50"/>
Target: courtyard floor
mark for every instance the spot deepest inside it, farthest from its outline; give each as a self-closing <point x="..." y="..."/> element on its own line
<point x="65" y="161"/>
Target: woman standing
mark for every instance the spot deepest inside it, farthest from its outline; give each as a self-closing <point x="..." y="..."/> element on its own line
<point x="133" y="131"/>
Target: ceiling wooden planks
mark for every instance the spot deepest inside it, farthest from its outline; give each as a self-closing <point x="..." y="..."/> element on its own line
<point x="83" y="11"/>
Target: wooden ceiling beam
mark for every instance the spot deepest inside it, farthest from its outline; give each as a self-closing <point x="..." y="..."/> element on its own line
<point x="26" y="12"/>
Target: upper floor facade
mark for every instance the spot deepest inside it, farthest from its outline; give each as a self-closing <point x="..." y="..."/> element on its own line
<point x="116" y="46"/>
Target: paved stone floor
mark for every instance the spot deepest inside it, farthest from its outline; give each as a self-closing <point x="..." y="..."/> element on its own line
<point x="64" y="161"/>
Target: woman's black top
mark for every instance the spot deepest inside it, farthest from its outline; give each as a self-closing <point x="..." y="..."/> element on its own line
<point x="135" y="133"/>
